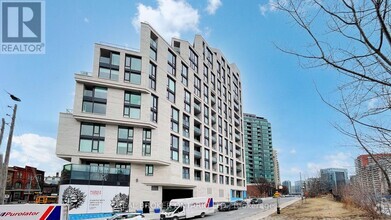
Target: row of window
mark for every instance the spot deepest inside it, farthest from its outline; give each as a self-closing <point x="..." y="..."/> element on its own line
<point x="92" y="139"/>
<point x="95" y="101"/>
<point x="207" y="177"/>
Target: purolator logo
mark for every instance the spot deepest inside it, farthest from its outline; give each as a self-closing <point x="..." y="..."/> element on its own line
<point x="13" y="214"/>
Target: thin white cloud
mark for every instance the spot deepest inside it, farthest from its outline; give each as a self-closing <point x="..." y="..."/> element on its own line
<point x="268" y="7"/>
<point x="213" y="5"/>
<point x="337" y="160"/>
<point x="171" y="18"/>
<point x="292" y="151"/>
<point x="86" y="20"/>
<point x="37" y="151"/>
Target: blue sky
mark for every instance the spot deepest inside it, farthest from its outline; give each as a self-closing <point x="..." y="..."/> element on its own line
<point x="274" y="84"/>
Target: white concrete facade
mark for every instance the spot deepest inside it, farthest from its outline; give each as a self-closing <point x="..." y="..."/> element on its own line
<point x="167" y="169"/>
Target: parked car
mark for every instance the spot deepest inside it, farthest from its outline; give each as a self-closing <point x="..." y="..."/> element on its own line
<point x="227" y="206"/>
<point x="256" y="201"/>
<point x="127" y="216"/>
<point x="240" y="203"/>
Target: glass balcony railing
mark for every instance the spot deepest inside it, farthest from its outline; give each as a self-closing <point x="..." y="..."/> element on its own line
<point x="197" y="131"/>
<point x="94" y="175"/>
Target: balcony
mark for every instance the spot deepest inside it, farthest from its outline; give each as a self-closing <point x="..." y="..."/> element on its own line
<point x="197" y="154"/>
<point x="237" y="122"/>
<point x="213" y="119"/>
<point x="197" y="108"/>
<point x="197" y="131"/>
<point x="236" y="99"/>
<point x="237" y="137"/>
<point x="213" y="100"/>
<point x="236" y="107"/>
<point x="94" y="175"/>
<point x="214" y="140"/>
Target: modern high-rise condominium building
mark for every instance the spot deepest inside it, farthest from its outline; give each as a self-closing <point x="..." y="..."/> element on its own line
<point x="369" y="175"/>
<point x="288" y="185"/>
<point x="155" y="124"/>
<point x="259" y="148"/>
<point x="333" y="179"/>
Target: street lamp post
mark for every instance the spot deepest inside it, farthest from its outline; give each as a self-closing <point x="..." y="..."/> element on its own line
<point x="278" y="199"/>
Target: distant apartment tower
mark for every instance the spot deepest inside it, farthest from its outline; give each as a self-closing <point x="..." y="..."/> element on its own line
<point x="369" y="175"/>
<point x="276" y="169"/>
<point x="288" y="185"/>
<point x="156" y="124"/>
<point x="333" y="179"/>
<point x="299" y="186"/>
<point x="259" y="148"/>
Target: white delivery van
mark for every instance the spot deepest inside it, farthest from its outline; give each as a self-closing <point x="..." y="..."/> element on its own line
<point x="188" y="208"/>
<point x="34" y="212"/>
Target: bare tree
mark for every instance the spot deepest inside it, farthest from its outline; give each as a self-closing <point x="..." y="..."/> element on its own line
<point x="263" y="186"/>
<point x="354" y="38"/>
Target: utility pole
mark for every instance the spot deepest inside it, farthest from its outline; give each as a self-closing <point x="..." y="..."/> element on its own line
<point x="7" y="155"/>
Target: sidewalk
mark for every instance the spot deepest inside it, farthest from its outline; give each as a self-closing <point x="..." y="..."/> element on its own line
<point x="269" y="212"/>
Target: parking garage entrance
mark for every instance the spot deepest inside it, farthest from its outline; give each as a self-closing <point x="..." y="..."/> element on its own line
<point x="169" y="194"/>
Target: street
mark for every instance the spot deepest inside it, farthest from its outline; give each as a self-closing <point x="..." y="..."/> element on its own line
<point x="247" y="212"/>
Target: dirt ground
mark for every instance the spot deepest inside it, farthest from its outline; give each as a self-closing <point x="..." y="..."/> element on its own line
<point x="319" y="208"/>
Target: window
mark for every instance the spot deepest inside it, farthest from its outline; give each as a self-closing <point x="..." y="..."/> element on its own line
<point x="197" y="175"/>
<point x="207" y="177"/>
<point x="205" y="74"/>
<point x="213" y="81"/>
<point x="219" y="110"/>
<point x="109" y="65"/>
<point x="220" y="124"/>
<point x="207" y="164"/>
<point x="92" y="138"/>
<point x="171" y="90"/>
<point x="152" y="76"/>
<point x="174" y="120"/>
<point x="219" y="87"/>
<point x="206" y="136"/>
<point x="225" y="129"/>
<point x="218" y="70"/>
<point x="193" y="61"/>
<point x="133" y="70"/>
<point x="187" y="101"/>
<point x="221" y="179"/>
<point x="153" y="47"/>
<point x="148" y="170"/>
<point x="174" y="148"/>
<point x="132" y="105"/>
<point x="186" y="173"/>
<point x="209" y="57"/>
<point x="94" y="99"/>
<point x="206" y="115"/>
<point x="185" y="75"/>
<point x="227" y="180"/>
<point x="147" y="136"/>
<point x="186" y="126"/>
<point x="220" y="144"/>
<point x="125" y="141"/>
<point x="171" y="60"/>
<point x="197" y="86"/>
<point x="206" y="94"/>
<point x="186" y="152"/>
<point x="223" y="75"/>
<point x="154" y="108"/>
